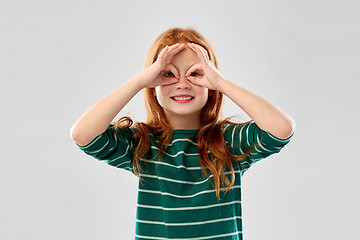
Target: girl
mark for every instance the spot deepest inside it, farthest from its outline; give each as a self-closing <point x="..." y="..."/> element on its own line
<point x="188" y="160"/>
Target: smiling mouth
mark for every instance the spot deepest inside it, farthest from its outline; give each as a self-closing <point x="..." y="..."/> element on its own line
<point x="182" y="99"/>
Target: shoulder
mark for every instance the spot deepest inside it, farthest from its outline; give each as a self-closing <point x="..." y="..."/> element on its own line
<point x="230" y="128"/>
<point x="122" y="134"/>
<point x="129" y="130"/>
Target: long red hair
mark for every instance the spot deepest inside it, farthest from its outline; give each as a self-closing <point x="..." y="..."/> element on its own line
<point x="210" y="136"/>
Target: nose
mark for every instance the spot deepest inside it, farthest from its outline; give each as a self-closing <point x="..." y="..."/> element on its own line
<point x="183" y="83"/>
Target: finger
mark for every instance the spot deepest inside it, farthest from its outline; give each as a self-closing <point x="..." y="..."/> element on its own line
<point x="163" y="52"/>
<point x="168" y="49"/>
<point x="205" y="54"/>
<point x="202" y="53"/>
<point x="193" y="47"/>
<point x="169" y="81"/>
<point x="195" y="81"/>
<point x="174" y="45"/>
<point x="173" y="69"/>
<point x="196" y="48"/>
<point x="203" y="50"/>
<point x="196" y="67"/>
<point x="173" y="51"/>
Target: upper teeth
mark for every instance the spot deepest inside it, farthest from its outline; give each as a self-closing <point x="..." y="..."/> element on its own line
<point x="182" y="98"/>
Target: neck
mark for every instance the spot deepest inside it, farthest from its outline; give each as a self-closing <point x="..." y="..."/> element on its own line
<point x="184" y="121"/>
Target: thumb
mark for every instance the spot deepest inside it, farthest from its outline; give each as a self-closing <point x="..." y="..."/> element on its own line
<point x="169" y="81"/>
<point x="195" y="74"/>
<point x="193" y="69"/>
<point x="196" y="80"/>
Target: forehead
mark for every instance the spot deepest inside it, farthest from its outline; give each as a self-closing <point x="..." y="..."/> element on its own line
<point x="185" y="58"/>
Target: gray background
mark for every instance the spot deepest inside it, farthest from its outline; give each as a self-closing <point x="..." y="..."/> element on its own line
<point x="58" y="58"/>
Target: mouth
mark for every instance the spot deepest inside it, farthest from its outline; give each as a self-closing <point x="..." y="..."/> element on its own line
<point x="182" y="98"/>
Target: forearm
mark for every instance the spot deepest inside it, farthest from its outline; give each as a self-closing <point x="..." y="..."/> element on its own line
<point x="266" y="115"/>
<point x="96" y="120"/>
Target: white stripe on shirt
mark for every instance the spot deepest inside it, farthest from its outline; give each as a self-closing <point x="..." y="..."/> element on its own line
<point x="180" y="152"/>
<point x="170" y="165"/>
<point x="178" y="140"/>
<point x="188" y="223"/>
<point x="105" y="145"/>
<point x="196" y="238"/>
<point x="181" y="181"/>
<point x="186" y="196"/>
<point x="188" y="208"/>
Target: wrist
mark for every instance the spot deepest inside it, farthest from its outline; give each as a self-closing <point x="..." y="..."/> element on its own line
<point x="138" y="82"/>
<point x="220" y="84"/>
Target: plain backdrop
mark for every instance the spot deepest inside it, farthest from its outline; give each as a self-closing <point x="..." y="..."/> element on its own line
<point x="58" y="58"/>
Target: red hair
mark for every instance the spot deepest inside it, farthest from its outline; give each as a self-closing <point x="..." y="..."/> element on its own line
<point x="210" y="136"/>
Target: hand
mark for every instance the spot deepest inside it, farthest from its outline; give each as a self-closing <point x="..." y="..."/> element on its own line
<point x="206" y="73"/>
<point x="161" y="72"/>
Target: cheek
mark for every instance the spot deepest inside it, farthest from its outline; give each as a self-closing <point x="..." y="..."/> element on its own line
<point x="204" y="93"/>
<point x="160" y="93"/>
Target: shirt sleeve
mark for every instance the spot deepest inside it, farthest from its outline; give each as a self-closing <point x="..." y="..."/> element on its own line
<point x="239" y="137"/>
<point x="115" y="147"/>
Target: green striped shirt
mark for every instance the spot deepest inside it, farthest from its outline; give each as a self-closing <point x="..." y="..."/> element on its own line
<point x="175" y="199"/>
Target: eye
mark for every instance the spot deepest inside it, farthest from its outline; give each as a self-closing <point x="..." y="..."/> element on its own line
<point x="169" y="74"/>
<point x="194" y="74"/>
